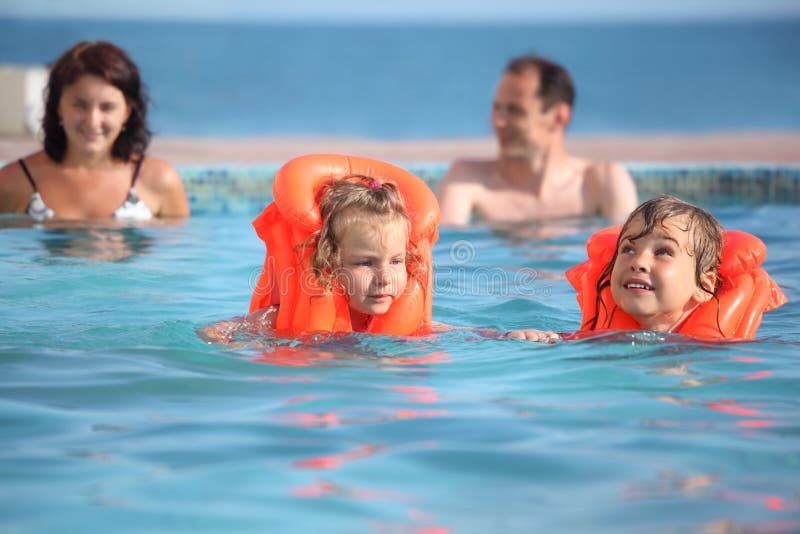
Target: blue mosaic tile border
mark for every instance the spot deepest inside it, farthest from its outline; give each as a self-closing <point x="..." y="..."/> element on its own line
<point x="721" y="184"/>
<point x="247" y="189"/>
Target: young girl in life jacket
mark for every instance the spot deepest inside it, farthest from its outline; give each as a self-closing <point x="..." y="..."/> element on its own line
<point x="665" y="266"/>
<point x="362" y="247"/>
<point x="360" y="252"/>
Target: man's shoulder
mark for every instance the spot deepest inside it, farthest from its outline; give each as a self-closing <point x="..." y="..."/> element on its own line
<point x="612" y="187"/>
<point x="462" y="186"/>
<point x="473" y="171"/>
<point x="604" y="173"/>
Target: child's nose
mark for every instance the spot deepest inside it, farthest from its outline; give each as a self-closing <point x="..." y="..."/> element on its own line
<point x="640" y="263"/>
<point x="384" y="275"/>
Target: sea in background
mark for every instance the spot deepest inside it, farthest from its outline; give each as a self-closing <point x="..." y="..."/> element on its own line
<point x="417" y="81"/>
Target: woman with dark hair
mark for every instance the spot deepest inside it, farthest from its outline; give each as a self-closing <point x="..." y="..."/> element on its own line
<point x="95" y="137"/>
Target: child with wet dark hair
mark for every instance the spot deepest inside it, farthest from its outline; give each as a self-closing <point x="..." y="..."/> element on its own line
<point x="665" y="265"/>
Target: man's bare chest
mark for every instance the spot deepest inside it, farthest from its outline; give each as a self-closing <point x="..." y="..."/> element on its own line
<point x="505" y="204"/>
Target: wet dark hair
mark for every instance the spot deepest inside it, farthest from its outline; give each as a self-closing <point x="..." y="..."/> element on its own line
<point x="111" y="63"/>
<point x="707" y="240"/>
<point x="555" y="83"/>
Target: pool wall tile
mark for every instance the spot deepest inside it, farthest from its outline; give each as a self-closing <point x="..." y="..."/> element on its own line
<point x="247" y="189"/>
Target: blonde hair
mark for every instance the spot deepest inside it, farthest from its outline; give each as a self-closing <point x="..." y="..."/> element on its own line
<point x="342" y="202"/>
<point x="705" y="231"/>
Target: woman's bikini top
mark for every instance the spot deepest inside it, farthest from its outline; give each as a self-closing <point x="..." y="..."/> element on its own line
<point x="132" y="209"/>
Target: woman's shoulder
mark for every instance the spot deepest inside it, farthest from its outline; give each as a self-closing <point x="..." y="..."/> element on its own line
<point x="164" y="187"/>
<point x="32" y="160"/>
<point x="15" y="189"/>
<point x="158" y="175"/>
<point x="9" y="171"/>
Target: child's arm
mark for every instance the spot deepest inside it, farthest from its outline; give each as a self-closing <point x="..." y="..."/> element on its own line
<point x="534" y="335"/>
<point x="225" y="331"/>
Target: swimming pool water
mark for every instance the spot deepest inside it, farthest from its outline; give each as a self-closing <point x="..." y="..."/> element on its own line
<point x="116" y="416"/>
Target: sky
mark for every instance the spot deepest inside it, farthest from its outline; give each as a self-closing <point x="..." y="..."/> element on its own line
<point x="407" y="10"/>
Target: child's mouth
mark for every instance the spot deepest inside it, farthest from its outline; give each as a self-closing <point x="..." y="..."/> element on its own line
<point x="642" y="286"/>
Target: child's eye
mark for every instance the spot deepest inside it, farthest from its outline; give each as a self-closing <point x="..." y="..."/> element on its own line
<point x="398" y="261"/>
<point x="362" y="263"/>
<point x="664" y="252"/>
<point x="626" y="249"/>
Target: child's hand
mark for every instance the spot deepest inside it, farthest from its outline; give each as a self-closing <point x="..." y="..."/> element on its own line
<point x="259" y="321"/>
<point x="534" y="335"/>
<point x="220" y="332"/>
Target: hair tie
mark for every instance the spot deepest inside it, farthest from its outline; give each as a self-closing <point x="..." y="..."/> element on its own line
<point x="375" y="184"/>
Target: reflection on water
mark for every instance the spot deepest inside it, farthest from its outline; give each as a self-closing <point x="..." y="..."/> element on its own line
<point x="99" y="244"/>
<point x="540" y="230"/>
<point x="107" y="241"/>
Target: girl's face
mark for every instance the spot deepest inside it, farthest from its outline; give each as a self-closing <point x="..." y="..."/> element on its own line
<point x="653" y="278"/>
<point x="373" y="265"/>
<point x="93" y="113"/>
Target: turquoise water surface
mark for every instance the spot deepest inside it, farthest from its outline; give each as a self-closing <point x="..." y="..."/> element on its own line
<point x="115" y="416"/>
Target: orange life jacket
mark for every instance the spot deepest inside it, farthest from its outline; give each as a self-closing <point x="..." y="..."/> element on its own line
<point x="746" y="291"/>
<point x="294" y="215"/>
